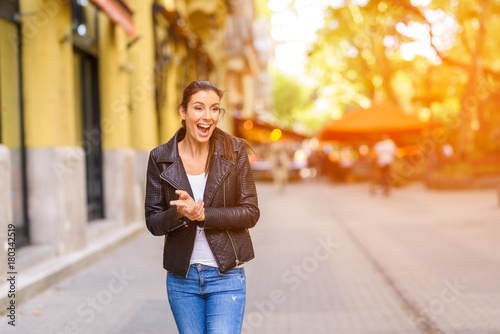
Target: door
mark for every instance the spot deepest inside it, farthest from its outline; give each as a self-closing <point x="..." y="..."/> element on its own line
<point x="89" y="128"/>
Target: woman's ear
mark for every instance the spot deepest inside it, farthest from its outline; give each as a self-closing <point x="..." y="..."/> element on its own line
<point x="182" y="113"/>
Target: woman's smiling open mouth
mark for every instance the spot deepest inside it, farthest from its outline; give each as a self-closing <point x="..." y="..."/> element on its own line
<point x="203" y="128"/>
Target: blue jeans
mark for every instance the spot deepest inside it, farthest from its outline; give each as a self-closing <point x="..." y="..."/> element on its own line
<point x="208" y="301"/>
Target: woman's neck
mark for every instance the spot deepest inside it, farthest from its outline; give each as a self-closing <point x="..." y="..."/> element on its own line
<point x="192" y="148"/>
<point x="193" y="155"/>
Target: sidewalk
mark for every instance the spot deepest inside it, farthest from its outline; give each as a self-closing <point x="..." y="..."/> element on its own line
<point x="329" y="259"/>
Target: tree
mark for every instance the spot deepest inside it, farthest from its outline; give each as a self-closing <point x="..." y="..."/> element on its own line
<point x="290" y="97"/>
<point x="360" y="56"/>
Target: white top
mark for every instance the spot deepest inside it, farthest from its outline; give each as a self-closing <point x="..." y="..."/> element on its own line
<point x="201" y="252"/>
<point x="385" y="150"/>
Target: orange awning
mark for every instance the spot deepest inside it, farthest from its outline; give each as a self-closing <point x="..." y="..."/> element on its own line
<point x="120" y="13"/>
<point x="379" y="118"/>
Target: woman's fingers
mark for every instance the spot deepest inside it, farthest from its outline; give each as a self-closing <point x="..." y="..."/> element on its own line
<point x="183" y="200"/>
<point x="196" y="211"/>
<point x="200" y="207"/>
<point x="178" y="203"/>
<point x="183" y="194"/>
<point x="190" y="209"/>
<point x="201" y="211"/>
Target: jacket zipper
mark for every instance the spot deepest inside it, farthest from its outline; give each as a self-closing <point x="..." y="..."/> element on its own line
<point x="177" y="227"/>
<point x="237" y="261"/>
<point x="183" y="221"/>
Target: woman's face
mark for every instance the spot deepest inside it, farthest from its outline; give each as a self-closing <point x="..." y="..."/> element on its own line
<point x="202" y="115"/>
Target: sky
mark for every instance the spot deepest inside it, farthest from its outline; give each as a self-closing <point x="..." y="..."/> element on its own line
<point x="294" y="30"/>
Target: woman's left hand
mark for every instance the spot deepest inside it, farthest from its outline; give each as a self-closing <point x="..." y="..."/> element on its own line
<point x="187" y="207"/>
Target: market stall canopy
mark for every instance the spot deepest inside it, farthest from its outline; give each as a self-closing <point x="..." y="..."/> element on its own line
<point x="380" y="118"/>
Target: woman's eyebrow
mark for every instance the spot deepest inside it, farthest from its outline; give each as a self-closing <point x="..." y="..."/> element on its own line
<point x="199" y="102"/>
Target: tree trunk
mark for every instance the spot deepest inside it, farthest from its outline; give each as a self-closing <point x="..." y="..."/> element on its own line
<point x="470" y="100"/>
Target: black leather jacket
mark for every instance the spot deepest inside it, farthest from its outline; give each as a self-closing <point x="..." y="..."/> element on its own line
<point x="230" y="200"/>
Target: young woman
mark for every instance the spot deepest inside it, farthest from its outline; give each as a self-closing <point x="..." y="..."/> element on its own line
<point x="201" y="196"/>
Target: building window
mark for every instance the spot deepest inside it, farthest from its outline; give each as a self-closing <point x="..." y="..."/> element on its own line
<point x="85" y="21"/>
<point x="11" y="122"/>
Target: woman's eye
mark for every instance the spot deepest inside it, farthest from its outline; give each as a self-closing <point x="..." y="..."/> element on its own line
<point x="215" y="109"/>
<point x="198" y="108"/>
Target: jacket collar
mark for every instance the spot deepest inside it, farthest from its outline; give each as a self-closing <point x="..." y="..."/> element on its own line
<point x="175" y="174"/>
<point x="170" y="151"/>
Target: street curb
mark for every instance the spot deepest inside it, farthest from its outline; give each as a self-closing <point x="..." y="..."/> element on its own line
<point x="49" y="273"/>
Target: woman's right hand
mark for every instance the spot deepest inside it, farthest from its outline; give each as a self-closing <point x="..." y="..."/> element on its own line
<point x="187" y="207"/>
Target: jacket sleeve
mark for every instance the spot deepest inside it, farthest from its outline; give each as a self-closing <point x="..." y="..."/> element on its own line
<point x="245" y="213"/>
<point x="161" y="218"/>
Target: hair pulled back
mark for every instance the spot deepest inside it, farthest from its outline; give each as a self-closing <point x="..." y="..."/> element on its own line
<point x="218" y="136"/>
<point x="195" y="87"/>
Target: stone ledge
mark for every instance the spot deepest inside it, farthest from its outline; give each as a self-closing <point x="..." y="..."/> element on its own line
<point x="34" y="280"/>
<point x="30" y="256"/>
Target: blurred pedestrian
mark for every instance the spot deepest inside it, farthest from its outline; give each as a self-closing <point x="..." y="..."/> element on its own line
<point x="446" y="155"/>
<point x="385" y="151"/>
<point x="447" y="152"/>
<point x="279" y="167"/>
<point x="201" y="197"/>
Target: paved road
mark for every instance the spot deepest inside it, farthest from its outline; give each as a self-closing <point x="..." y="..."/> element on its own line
<point x="330" y="259"/>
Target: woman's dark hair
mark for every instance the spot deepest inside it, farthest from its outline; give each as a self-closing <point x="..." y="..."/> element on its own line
<point x="218" y="136"/>
<point x="195" y="87"/>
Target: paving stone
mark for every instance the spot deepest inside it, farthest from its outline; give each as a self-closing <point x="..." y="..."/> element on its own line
<point x="329" y="259"/>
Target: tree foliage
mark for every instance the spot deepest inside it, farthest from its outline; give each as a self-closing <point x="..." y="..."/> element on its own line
<point x="261" y="9"/>
<point x="362" y="54"/>
<point x="291" y="100"/>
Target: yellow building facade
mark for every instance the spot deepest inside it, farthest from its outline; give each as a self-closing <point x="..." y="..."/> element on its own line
<point x="87" y="89"/>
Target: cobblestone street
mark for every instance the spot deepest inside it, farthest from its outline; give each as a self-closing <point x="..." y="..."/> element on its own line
<point x="329" y="259"/>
